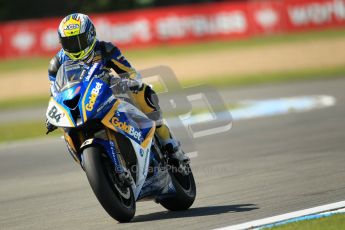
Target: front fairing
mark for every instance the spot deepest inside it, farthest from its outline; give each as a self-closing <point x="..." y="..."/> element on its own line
<point x="89" y="99"/>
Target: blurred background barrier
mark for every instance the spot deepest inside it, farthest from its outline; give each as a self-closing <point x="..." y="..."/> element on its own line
<point x="179" y="24"/>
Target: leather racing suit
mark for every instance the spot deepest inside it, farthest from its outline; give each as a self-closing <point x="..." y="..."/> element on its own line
<point x="111" y="57"/>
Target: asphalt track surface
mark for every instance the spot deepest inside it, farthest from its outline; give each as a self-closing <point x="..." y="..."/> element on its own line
<point x="262" y="167"/>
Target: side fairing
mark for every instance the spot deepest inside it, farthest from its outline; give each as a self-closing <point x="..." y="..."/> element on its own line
<point x="143" y="160"/>
<point x="131" y="122"/>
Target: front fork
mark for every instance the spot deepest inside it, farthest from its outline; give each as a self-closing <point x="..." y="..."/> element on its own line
<point x="107" y="140"/>
<point x="120" y="164"/>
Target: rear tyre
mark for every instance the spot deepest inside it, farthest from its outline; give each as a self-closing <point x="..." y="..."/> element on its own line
<point x="185" y="191"/>
<point x="117" y="199"/>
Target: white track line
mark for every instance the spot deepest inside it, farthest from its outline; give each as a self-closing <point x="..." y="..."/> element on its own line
<point x="283" y="217"/>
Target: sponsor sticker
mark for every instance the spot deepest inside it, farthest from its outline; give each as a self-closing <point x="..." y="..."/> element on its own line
<point x="72" y="27"/>
<point x="126" y="128"/>
<point x="94" y="94"/>
<point x="92" y="69"/>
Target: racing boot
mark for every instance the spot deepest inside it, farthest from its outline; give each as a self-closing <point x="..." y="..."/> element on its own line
<point x="170" y="145"/>
<point x="147" y="100"/>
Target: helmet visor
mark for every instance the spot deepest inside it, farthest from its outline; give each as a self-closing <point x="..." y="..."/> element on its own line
<point x="74" y="44"/>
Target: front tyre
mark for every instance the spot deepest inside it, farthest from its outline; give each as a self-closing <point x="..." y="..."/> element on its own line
<point x="185" y="190"/>
<point x="117" y="199"/>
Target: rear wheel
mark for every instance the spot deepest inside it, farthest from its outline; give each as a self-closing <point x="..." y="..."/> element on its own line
<point x="185" y="190"/>
<point x="115" y="197"/>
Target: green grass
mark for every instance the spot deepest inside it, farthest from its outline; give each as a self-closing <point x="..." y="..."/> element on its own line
<point x="168" y="50"/>
<point x="334" y="222"/>
<point x="37" y="101"/>
<point x="24" y="130"/>
<point x="33" y="63"/>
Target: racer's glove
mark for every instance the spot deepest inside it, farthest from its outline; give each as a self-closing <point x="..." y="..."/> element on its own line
<point x="121" y="86"/>
<point x="50" y="127"/>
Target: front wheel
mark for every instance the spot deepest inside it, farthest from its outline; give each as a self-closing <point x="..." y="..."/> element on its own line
<point x="117" y="199"/>
<point x="185" y="190"/>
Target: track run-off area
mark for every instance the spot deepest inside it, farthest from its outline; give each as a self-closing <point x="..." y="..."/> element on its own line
<point x="261" y="167"/>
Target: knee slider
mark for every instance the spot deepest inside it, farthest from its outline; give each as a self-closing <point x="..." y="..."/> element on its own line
<point x="152" y="101"/>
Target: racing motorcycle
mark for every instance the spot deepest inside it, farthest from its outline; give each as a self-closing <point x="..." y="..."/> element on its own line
<point x="115" y="144"/>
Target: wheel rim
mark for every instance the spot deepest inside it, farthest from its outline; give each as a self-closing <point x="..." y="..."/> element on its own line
<point x="183" y="180"/>
<point x="122" y="192"/>
<point x="125" y="194"/>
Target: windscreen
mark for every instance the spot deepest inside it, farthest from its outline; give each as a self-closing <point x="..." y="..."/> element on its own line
<point x="69" y="74"/>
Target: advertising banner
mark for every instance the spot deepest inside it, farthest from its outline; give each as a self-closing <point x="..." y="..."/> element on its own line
<point x="180" y="24"/>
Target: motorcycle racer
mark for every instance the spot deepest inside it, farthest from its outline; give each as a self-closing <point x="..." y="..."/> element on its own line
<point x="77" y="35"/>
